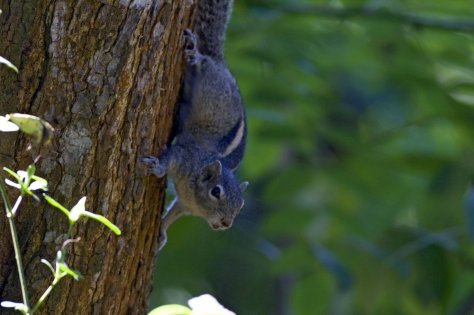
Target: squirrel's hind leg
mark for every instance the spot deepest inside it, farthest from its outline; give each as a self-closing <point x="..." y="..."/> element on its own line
<point x="173" y="212"/>
<point x="191" y="52"/>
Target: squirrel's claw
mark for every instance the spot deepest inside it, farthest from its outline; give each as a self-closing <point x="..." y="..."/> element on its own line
<point x="162" y="239"/>
<point x="190" y="39"/>
<point x="191" y="53"/>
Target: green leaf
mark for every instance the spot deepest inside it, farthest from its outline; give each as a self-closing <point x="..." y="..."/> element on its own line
<point x="8" y="64"/>
<point x="12" y="173"/>
<point x="7" y="126"/>
<point x="102" y="220"/>
<point x="79" y="210"/>
<point x="36" y="127"/>
<point x="463" y="97"/>
<point x="56" y="204"/>
<point x="30" y="171"/>
<point x="63" y="267"/>
<point x="26" y="180"/>
<point x="171" y="309"/>
<point x="35" y="177"/>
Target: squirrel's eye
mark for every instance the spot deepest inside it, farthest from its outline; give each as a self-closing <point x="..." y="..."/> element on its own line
<point x="216" y="192"/>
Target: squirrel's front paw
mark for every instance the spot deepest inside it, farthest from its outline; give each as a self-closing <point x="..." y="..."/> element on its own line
<point x="154" y="165"/>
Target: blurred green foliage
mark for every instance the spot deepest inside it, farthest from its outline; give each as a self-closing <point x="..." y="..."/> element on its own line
<point x="360" y="153"/>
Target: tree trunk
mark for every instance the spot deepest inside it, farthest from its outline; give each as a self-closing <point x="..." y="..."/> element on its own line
<point x="106" y="75"/>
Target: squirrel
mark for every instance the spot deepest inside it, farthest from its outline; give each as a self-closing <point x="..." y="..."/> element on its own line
<point x="210" y="129"/>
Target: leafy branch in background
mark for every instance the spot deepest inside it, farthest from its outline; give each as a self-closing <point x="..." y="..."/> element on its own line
<point x="382" y="13"/>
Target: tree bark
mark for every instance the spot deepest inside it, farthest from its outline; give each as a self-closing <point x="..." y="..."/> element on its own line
<point x="106" y="75"/>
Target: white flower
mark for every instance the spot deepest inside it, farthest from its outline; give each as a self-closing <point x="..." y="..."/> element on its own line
<point x="206" y="304"/>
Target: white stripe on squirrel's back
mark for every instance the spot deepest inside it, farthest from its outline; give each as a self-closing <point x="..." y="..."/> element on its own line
<point x="236" y="141"/>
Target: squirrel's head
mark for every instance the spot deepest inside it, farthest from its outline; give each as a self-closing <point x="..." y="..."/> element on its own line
<point x="219" y="195"/>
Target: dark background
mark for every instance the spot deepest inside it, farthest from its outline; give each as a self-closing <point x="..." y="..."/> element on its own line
<point x="360" y="159"/>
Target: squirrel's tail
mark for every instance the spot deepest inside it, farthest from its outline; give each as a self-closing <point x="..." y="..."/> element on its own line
<point x="211" y="24"/>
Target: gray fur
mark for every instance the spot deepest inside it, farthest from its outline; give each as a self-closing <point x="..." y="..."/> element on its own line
<point x="210" y="129"/>
<point x="211" y="23"/>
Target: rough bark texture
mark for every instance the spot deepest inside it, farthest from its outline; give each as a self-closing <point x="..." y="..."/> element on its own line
<point x="106" y="75"/>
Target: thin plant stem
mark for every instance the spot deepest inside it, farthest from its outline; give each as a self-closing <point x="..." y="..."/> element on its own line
<point x="43" y="297"/>
<point x="16" y="244"/>
<point x="19" y="263"/>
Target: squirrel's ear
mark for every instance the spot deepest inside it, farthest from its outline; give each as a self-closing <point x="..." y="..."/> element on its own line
<point x="243" y="185"/>
<point x="212" y="170"/>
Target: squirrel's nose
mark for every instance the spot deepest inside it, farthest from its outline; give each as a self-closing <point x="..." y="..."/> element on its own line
<point x="226" y="223"/>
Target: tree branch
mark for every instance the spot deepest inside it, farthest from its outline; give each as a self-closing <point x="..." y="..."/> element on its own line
<point x="442" y="23"/>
